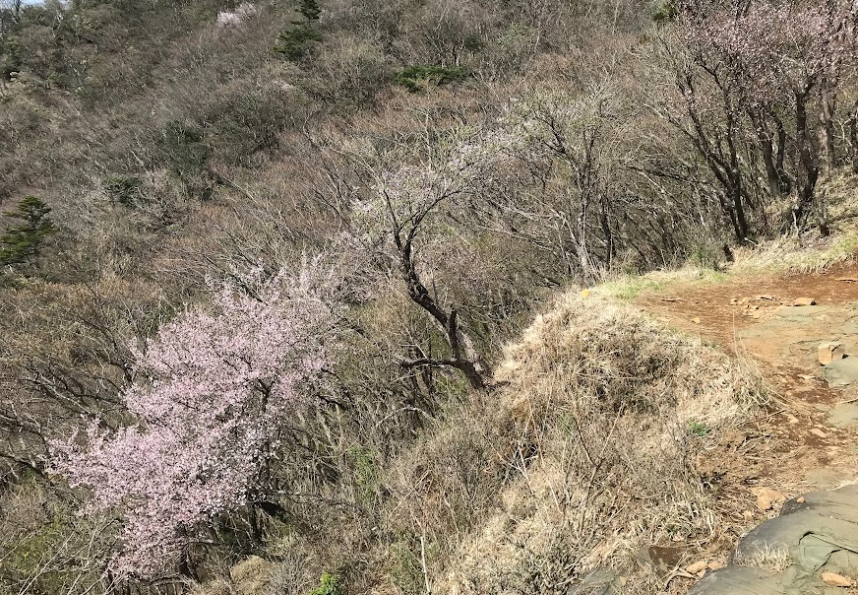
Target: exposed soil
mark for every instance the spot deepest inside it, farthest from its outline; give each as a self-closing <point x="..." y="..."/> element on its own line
<point x="805" y="440"/>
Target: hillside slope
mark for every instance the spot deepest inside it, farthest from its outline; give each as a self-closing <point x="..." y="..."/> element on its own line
<point x="338" y="296"/>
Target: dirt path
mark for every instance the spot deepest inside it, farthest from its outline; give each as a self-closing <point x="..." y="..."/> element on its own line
<point x="806" y="440"/>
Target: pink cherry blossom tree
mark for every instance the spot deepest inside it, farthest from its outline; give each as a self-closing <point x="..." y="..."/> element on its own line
<point x="212" y="391"/>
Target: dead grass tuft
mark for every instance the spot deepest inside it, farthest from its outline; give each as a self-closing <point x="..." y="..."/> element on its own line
<point x="584" y="455"/>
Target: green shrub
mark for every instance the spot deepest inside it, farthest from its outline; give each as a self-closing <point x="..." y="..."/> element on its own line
<point x="405" y="571"/>
<point x="310" y="10"/>
<point x="123" y="189"/>
<point x="665" y="11"/>
<point x="706" y="255"/>
<point x="366" y="472"/>
<point x="243" y="125"/>
<point x="328" y="585"/>
<point x="696" y="428"/>
<point x="183" y="150"/>
<point x="295" y="43"/>
<point x="415" y="78"/>
<point x="21" y="244"/>
<point x="10" y="58"/>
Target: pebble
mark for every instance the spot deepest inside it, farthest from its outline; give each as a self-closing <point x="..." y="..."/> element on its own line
<point x="836" y="580"/>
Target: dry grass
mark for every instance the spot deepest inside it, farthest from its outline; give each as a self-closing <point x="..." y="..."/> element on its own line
<point x="776" y="558"/>
<point x="797" y="256"/>
<point x="582" y="455"/>
<point x="582" y="458"/>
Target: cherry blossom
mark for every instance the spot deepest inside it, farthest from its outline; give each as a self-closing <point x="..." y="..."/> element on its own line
<point x="212" y="390"/>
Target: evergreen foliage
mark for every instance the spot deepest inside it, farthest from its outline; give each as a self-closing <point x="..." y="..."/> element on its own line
<point x="295" y="44"/>
<point x="328" y="585"/>
<point x="415" y="78"/>
<point x="21" y="244"/>
<point x="310" y="10"/>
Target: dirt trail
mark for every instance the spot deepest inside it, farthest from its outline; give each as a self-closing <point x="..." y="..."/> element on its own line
<point x="806" y="440"/>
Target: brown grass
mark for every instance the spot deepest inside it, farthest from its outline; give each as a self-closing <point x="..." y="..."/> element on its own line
<point x="580" y="459"/>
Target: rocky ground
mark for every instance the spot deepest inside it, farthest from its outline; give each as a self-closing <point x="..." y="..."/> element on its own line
<point x="793" y="471"/>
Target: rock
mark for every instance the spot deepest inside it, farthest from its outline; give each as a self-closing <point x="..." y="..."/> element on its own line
<point x="830" y="351"/>
<point x="800" y="500"/>
<point x="804" y="301"/>
<point x="748" y="515"/>
<point x="818" y="433"/>
<point x="696" y="320"/>
<point x="767" y="498"/>
<point x="661" y="560"/>
<point x="717" y="565"/>
<point x="739" y="580"/>
<point x="836" y="580"/>
<point x="842" y="372"/>
<point x="823" y="479"/>
<point x="766" y="298"/>
<point x="792" y="420"/>
<point x="809" y="548"/>
<point x="843" y="415"/>
<point x="696" y="567"/>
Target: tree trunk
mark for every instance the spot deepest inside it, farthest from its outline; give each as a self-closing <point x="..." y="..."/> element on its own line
<point x="779" y="184"/>
<point x="464" y="357"/>
<point x="738" y="207"/>
<point x="809" y="164"/>
<point x="853" y="138"/>
<point x="829" y="151"/>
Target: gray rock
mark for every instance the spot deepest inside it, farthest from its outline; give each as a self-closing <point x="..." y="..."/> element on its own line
<point x="843" y="415"/>
<point x="739" y="580"/>
<point x="787" y="555"/>
<point x="842" y="372"/>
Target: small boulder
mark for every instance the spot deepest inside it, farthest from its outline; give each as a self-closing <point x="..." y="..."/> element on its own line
<point x="830" y="351"/>
<point x="804" y="301"/>
<point x="767" y="498"/>
<point x="836" y="580"/>
<point x="696" y="567"/>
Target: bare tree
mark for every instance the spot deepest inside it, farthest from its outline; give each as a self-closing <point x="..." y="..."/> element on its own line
<point x="410" y="196"/>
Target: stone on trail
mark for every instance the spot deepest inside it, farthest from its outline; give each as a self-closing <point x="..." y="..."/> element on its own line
<point x="767" y="498"/>
<point x="811" y="548"/>
<point x="843" y="415"/>
<point x="823" y="478"/>
<point x="659" y="559"/>
<point x="696" y="567"/>
<point x="804" y="301"/>
<point x="836" y="580"/>
<point x="738" y="580"/>
<point x="830" y="351"/>
<point x="842" y="372"/>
